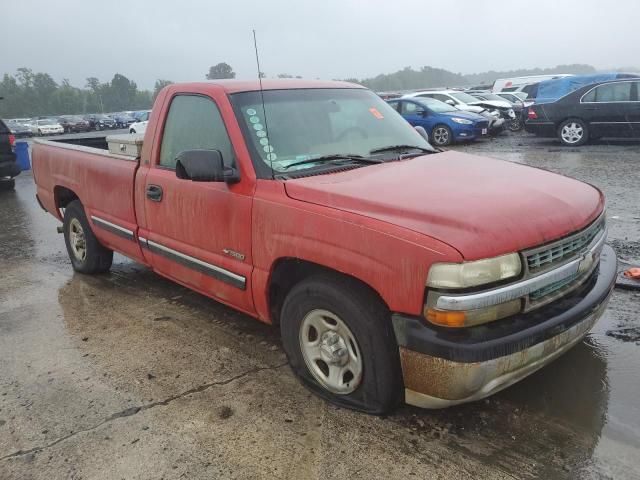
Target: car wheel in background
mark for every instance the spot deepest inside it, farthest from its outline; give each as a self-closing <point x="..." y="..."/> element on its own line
<point x="7" y="184"/>
<point x="87" y="254"/>
<point x="573" y="132"/>
<point x="338" y="338"/>
<point x="131" y="130"/>
<point x="515" y="125"/>
<point x="441" y="135"/>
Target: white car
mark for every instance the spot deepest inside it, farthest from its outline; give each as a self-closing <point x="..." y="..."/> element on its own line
<point x="141" y="125"/>
<point x="46" y="126"/>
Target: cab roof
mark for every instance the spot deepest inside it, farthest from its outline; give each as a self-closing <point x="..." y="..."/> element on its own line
<point x="235" y="86"/>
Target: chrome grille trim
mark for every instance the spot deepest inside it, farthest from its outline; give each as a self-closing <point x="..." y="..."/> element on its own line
<point x="546" y="257"/>
<point x="522" y="288"/>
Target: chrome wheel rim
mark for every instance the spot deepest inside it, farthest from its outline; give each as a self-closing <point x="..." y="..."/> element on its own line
<point x="77" y="240"/>
<point x="331" y="352"/>
<point x="572" y="132"/>
<point x="441" y="136"/>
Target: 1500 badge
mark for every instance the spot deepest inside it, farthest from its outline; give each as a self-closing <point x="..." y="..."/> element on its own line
<point x="233" y="253"/>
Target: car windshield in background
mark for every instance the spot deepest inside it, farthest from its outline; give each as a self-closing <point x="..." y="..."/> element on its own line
<point x="437" y="106"/>
<point x="521" y="95"/>
<point x="305" y="124"/>
<point x="464" y="97"/>
<point x="491" y="96"/>
<point x="47" y="121"/>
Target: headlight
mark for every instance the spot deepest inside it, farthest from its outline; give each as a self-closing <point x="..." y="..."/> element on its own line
<point x="472" y="274"/>
<point x="462" y="121"/>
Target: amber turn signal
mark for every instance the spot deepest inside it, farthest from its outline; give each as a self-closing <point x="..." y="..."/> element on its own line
<point x="446" y="318"/>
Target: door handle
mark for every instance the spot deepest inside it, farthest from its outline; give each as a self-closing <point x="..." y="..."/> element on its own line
<point x="154" y="192"/>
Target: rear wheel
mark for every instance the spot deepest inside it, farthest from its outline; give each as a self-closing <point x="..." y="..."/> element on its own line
<point x="7" y="184"/>
<point x="573" y="132"/>
<point x="338" y="338"/>
<point x="132" y="130"/>
<point x="441" y="135"/>
<point x="87" y="254"/>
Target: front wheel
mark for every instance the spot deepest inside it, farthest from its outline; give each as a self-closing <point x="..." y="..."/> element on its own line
<point x="87" y="254"/>
<point x="573" y="132"/>
<point x="338" y="338"/>
<point x="515" y="125"/>
<point x="442" y="135"/>
<point x="132" y="130"/>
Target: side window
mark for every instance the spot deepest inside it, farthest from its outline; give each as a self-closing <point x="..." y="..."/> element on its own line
<point x="395" y="105"/>
<point x="409" y="108"/>
<point x="443" y="98"/>
<point x="590" y="97"/>
<point x="194" y="122"/>
<point x="614" y="92"/>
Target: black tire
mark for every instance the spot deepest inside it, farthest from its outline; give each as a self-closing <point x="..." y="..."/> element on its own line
<point x="515" y="125"/>
<point x="7" y="185"/>
<point x="580" y="129"/>
<point x="132" y="131"/>
<point x="441" y="135"/>
<point x="380" y="388"/>
<point x="97" y="258"/>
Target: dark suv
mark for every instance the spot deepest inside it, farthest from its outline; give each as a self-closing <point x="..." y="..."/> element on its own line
<point x="8" y="166"/>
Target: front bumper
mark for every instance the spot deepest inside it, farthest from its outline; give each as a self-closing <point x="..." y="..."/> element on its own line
<point x="443" y="367"/>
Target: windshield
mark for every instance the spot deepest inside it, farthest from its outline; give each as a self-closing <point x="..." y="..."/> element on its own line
<point x="309" y="123"/>
<point x="521" y="95"/>
<point x="437" y="106"/>
<point x="491" y="96"/>
<point x="464" y="97"/>
<point x="47" y="121"/>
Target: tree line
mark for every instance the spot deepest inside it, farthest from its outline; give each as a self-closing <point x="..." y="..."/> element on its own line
<point x="28" y="93"/>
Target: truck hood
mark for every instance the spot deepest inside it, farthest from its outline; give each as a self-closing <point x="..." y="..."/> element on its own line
<point x="482" y="207"/>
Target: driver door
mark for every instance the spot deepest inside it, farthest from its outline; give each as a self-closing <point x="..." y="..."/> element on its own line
<point x="198" y="233"/>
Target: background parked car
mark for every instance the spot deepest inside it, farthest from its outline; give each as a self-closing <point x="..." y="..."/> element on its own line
<point x="513" y="113"/>
<point x="18" y="130"/>
<point x="517" y="84"/>
<point x="99" y="121"/>
<point x="464" y="101"/>
<point x="552" y="90"/>
<point x="444" y="123"/>
<point x="140" y="126"/>
<point x="74" y="124"/>
<point x="141" y="115"/>
<point x="607" y="109"/>
<point x="122" y="119"/>
<point x="47" y="126"/>
<point x="8" y="166"/>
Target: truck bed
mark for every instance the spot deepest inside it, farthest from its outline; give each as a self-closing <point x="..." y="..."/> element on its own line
<point x="102" y="181"/>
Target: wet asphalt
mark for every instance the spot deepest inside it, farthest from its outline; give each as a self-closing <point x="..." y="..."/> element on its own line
<point x="129" y="376"/>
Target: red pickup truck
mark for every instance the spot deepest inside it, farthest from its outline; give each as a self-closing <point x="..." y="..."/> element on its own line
<point x="395" y="271"/>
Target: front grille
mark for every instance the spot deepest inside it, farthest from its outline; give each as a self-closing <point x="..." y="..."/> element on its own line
<point x="547" y="257"/>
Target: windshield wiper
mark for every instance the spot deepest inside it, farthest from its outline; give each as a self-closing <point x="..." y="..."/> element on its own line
<point x="333" y="158"/>
<point x="393" y="148"/>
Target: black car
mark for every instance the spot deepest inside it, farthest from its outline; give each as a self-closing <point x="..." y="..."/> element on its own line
<point x="123" y="120"/>
<point x="99" y="121"/>
<point x="74" y="124"/>
<point x="19" y="130"/>
<point x="605" y="109"/>
<point x="8" y="166"/>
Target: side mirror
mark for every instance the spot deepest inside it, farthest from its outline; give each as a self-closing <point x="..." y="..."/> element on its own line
<point x="204" y="166"/>
<point x="450" y="102"/>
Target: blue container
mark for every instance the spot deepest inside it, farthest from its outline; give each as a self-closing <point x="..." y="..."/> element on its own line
<point x="22" y="152"/>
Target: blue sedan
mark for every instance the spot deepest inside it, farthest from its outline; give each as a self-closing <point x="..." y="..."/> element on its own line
<point x="444" y="123"/>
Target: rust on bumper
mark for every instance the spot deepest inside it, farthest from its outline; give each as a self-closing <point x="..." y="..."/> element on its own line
<point x="433" y="382"/>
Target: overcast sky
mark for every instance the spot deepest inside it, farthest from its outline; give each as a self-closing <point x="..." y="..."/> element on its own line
<point x="179" y="39"/>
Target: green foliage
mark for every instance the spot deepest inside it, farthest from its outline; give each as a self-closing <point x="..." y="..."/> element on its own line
<point x="29" y="94"/>
<point x="160" y="84"/>
<point x="219" y="71"/>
